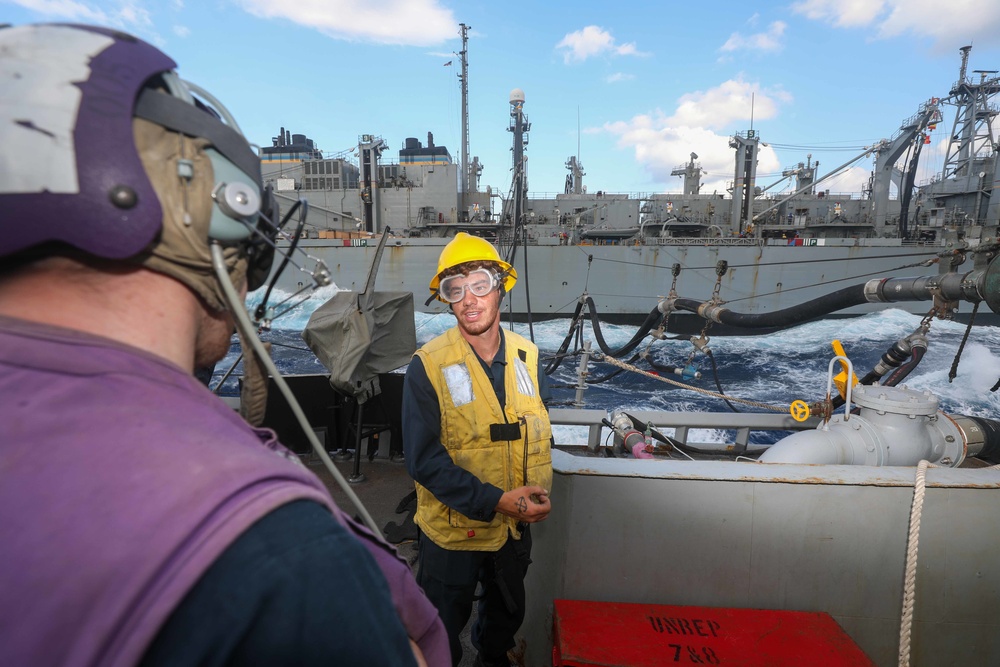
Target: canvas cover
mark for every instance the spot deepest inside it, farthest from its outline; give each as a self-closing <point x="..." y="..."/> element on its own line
<point x="357" y="336"/>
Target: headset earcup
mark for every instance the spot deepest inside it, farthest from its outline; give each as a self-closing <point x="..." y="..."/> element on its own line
<point x="237" y="201"/>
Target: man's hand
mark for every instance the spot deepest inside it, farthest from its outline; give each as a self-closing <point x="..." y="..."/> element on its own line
<point x="528" y="503"/>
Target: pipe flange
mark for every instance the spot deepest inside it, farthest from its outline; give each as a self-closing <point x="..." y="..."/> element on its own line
<point x="872" y="291"/>
<point x="990" y="283"/>
<point x="895" y="400"/>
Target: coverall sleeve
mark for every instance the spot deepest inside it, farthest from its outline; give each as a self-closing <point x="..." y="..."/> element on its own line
<point x="297" y="588"/>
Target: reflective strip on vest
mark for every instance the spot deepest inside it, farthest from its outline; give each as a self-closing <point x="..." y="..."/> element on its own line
<point x="459" y="384"/>
<point x="524" y="383"/>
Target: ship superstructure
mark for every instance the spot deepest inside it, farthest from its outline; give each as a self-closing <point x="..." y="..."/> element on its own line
<point x="629" y="250"/>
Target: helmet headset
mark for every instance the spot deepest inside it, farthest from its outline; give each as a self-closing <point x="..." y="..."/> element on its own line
<point x="79" y="179"/>
<point x="78" y="101"/>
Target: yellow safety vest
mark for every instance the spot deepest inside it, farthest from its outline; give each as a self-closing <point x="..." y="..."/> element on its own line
<point x="469" y="407"/>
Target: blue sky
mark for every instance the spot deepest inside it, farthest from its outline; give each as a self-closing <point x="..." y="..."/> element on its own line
<point x="636" y="86"/>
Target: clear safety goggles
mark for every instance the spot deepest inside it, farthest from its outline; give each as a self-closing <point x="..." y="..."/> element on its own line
<point x="480" y="282"/>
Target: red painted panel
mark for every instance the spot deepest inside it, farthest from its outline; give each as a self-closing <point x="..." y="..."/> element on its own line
<point x="605" y="634"/>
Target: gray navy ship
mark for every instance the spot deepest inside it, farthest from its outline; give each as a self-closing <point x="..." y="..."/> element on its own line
<point x="631" y="254"/>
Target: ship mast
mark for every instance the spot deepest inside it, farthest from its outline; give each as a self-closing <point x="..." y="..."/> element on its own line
<point x="467" y="176"/>
<point x="972" y="136"/>
<point x="519" y="126"/>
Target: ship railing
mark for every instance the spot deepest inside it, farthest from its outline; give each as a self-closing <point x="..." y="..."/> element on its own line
<point x="641" y="196"/>
<point x="916" y="244"/>
<point x="742" y="424"/>
<point x="703" y="240"/>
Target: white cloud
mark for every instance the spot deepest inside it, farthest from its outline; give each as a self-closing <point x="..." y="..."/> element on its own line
<point x="182" y="31"/>
<point x="968" y="21"/>
<point x="732" y="100"/>
<point x="841" y="13"/>
<point x="850" y="181"/>
<point x="65" y="9"/>
<point x="619" y="76"/>
<point x="593" y="41"/>
<point x="130" y="16"/>
<point x="132" y="13"/>
<point x="761" y="41"/>
<point x="406" y="22"/>
<point x="662" y="142"/>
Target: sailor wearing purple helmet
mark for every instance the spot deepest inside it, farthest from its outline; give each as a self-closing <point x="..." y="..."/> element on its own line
<point x="142" y="521"/>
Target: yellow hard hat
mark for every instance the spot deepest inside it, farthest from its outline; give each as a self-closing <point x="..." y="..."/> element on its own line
<point x="468" y="248"/>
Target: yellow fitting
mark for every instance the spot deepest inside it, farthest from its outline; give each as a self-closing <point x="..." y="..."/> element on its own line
<point x="840" y="379"/>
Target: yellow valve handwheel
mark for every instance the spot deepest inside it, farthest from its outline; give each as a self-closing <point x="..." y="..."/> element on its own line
<point x="799" y="410"/>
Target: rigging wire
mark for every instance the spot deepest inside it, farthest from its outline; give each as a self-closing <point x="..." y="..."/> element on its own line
<point x="706" y="392"/>
<point x="958" y="354"/>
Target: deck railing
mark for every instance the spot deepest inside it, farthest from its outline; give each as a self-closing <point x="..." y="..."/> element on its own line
<point x="683" y="423"/>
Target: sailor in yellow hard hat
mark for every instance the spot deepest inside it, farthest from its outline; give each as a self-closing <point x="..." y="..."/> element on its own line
<point x="477" y="440"/>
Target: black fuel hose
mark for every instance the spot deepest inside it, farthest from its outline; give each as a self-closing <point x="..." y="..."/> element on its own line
<point x="900" y="373"/>
<point x="654" y="316"/>
<point x="803" y="312"/>
<point x="651" y="321"/>
<point x="561" y="353"/>
<point x="991" y="438"/>
<point x="666" y="369"/>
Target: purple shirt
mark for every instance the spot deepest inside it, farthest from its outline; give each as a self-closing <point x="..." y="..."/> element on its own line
<point x="121" y="479"/>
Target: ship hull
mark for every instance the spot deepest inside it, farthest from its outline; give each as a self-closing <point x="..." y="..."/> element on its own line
<point x="627" y="281"/>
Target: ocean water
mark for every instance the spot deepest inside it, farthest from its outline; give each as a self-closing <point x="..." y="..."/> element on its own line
<point x="774" y="369"/>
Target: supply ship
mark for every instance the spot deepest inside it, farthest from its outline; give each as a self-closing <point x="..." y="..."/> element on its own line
<point x="758" y="252"/>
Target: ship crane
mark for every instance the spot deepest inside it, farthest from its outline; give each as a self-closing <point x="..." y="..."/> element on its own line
<point x="811" y="183"/>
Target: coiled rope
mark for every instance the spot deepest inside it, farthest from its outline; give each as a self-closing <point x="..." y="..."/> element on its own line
<point x="635" y="369"/>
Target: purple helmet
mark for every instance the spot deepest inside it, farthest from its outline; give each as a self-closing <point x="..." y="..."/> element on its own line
<point x="69" y="168"/>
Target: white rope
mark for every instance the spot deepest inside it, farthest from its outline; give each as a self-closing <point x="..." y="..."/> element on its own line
<point x="910" y="572"/>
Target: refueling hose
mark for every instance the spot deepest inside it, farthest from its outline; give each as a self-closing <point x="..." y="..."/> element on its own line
<point x="974" y="286"/>
<point x="561" y="353"/>
<point x="990" y="428"/>
<point x="651" y="320"/>
<point x="803" y="312"/>
<point x="900" y="373"/>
